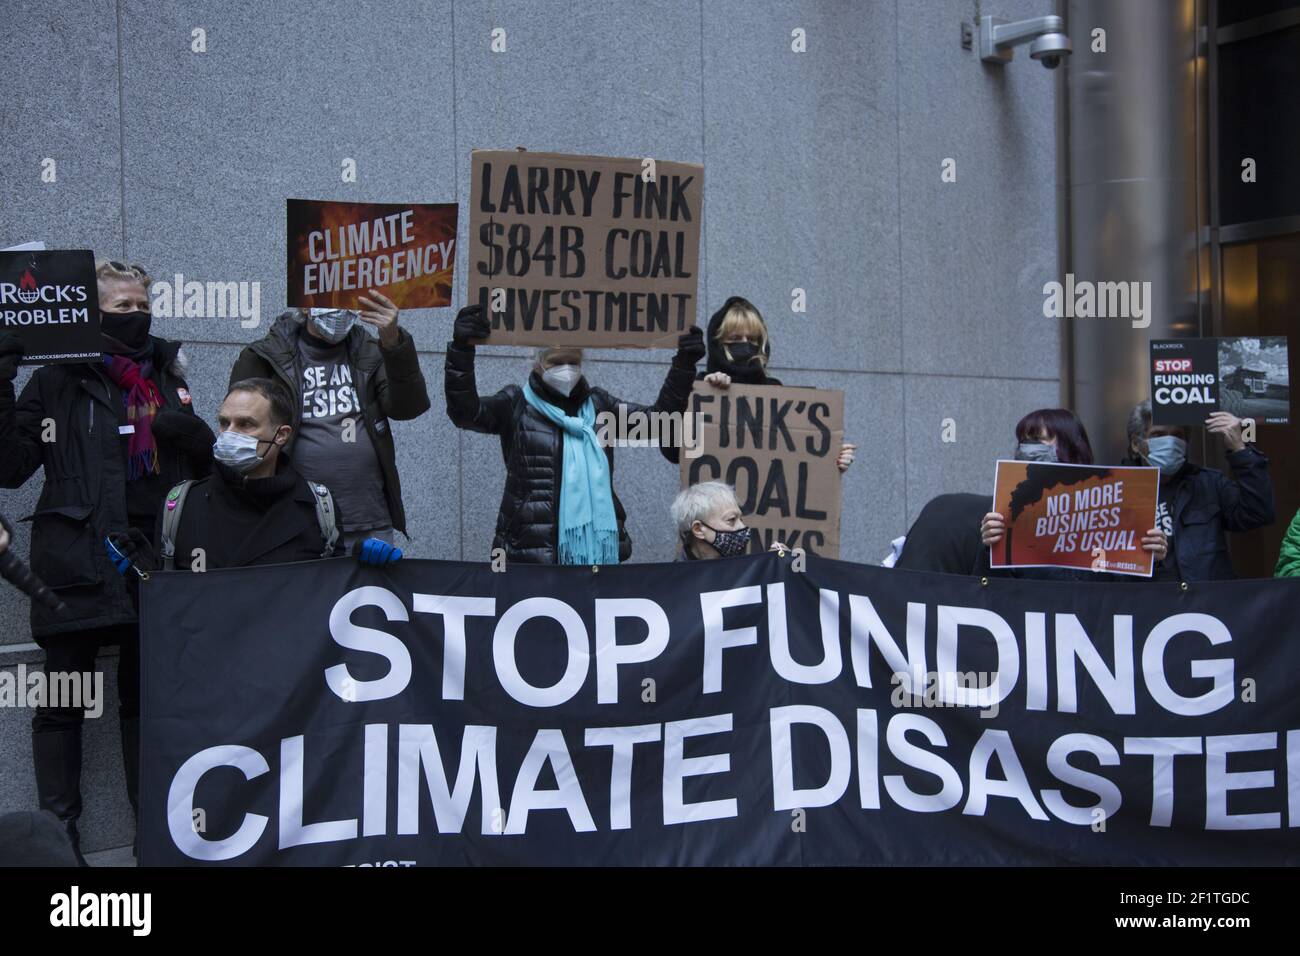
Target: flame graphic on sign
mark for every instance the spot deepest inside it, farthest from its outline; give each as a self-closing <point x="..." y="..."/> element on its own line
<point x="27" y="281"/>
<point x="431" y="224"/>
<point x="27" y="288"/>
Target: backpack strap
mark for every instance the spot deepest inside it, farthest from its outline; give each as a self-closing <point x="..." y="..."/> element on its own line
<point x="171" y="522"/>
<point x="325" y="517"/>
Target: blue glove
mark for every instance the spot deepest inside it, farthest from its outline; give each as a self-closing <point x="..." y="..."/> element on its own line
<point x="376" y="552"/>
<point x="120" y="560"/>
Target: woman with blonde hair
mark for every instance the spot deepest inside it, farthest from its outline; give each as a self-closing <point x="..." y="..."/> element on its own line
<point x="738" y="349"/>
<point x="124" y="432"/>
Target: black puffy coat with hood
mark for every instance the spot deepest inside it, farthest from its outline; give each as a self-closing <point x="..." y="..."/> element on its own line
<point x="532" y="448"/>
<point x="388" y="382"/>
<point x="84" y="496"/>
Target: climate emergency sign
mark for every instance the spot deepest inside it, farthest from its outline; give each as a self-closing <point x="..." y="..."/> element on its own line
<point x="339" y="251"/>
<point x="777" y="446"/>
<point x="744" y="711"/>
<point x="584" y="250"/>
<point x="50" y="300"/>
<point x="1075" y="516"/>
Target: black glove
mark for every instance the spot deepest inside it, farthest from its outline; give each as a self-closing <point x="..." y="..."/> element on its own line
<point x="134" y="547"/>
<point x="471" y="323"/>
<point x="691" y="345"/>
<point x="11" y="353"/>
<point x="188" y="433"/>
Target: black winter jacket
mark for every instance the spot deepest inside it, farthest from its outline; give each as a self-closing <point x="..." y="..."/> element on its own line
<point x="389" y="384"/>
<point x="532" y="449"/>
<point x="84" y="495"/>
<point x="240" y="521"/>
<point x="716" y="361"/>
<point x="1208" y="503"/>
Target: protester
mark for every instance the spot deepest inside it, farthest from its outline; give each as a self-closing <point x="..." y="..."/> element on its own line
<point x="1054" y="435"/>
<point x="709" y="523"/>
<point x="559" y="505"/>
<point x="123" y="432"/>
<point x="1288" y="560"/>
<point x="1197" y="505"/>
<point x="346" y="385"/>
<point x="255" y="508"/>
<point x="738" y="350"/>
<point x="945" y="537"/>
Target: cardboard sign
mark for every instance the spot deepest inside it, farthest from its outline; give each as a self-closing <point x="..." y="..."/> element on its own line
<point x="50" y="300"/>
<point x="584" y="250"/>
<point x="338" y="251"/>
<point x="777" y="446"/>
<point x="1248" y="376"/>
<point x="1075" y="516"/>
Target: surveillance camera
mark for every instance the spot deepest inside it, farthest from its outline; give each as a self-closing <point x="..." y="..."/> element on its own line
<point x="1047" y="42"/>
<point x="1050" y="49"/>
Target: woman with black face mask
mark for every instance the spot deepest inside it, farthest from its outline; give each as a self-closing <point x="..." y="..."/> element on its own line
<point x="113" y="435"/>
<point x="738" y="350"/>
<point x="709" y="523"/>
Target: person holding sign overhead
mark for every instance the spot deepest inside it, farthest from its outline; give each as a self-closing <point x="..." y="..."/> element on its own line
<point x="112" y="435"/>
<point x="1197" y="505"/>
<point x="346" y="385"/>
<point x="738" y="350"/>
<point x="559" y="505"/>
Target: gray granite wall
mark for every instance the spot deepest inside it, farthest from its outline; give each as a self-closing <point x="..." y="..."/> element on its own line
<point x="823" y="174"/>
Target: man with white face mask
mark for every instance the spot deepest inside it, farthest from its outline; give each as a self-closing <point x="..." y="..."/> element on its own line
<point x="559" y="505"/>
<point x="1197" y="505"/>
<point x="254" y="509"/>
<point x="346" y="385"/>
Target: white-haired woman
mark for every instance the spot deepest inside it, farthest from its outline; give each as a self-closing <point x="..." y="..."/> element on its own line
<point x="709" y="523"/>
<point x="559" y="505"/>
<point x="125" y="432"/>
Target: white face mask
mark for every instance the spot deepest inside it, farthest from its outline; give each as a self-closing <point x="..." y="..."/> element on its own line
<point x="562" y="378"/>
<point x="333" y="324"/>
<point x="238" y="451"/>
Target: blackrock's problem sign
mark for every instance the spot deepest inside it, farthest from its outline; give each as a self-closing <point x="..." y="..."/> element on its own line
<point x="778" y="446"/>
<point x="50" y="300"/>
<point x="584" y="250"/>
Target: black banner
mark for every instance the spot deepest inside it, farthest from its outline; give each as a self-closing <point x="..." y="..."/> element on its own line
<point x="747" y="711"/>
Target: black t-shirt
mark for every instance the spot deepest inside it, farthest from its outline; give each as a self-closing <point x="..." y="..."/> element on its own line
<point x="1167" y="570"/>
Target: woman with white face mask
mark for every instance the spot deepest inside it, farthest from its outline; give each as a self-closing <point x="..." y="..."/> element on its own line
<point x="559" y="505"/>
<point x="1198" y="505"/>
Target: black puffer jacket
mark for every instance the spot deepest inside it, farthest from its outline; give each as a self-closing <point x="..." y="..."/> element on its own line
<point x="84" y="495"/>
<point x="532" y="448"/>
<point x="389" y="384"/>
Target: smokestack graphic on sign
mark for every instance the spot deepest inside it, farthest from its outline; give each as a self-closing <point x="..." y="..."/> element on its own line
<point x="27" y="288"/>
<point x="1040" y="479"/>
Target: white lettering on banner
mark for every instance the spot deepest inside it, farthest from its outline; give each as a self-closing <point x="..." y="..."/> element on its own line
<point x="1071" y="644"/>
<point x="925" y="773"/>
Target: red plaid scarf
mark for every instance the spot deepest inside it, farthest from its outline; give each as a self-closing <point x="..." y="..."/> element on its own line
<point x="143" y="401"/>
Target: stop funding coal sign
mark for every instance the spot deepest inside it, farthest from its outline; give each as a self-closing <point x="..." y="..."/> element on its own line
<point x="51" y="302"/>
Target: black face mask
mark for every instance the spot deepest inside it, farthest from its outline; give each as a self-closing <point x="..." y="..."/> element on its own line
<point x="731" y="544"/>
<point x="129" y="328"/>
<point x="742" y="367"/>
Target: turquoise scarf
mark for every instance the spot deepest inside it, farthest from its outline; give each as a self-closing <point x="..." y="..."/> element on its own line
<point x="588" y="529"/>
